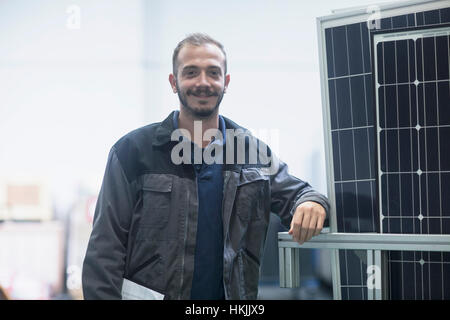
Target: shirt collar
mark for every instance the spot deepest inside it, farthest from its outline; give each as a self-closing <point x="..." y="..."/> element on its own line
<point x="221" y="126"/>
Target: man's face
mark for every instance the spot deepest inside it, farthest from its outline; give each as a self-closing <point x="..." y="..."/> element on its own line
<point x="200" y="80"/>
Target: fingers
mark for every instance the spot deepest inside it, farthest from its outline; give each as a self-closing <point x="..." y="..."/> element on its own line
<point x="307" y="222"/>
<point x="312" y="227"/>
<point x="296" y="223"/>
<point x="319" y="227"/>
<point x="300" y="225"/>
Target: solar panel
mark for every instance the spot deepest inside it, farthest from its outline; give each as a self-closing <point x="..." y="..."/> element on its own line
<point x="412" y="73"/>
<point x="391" y="160"/>
<point x="352" y="130"/>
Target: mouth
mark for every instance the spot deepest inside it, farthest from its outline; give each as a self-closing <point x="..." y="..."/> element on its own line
<point x="203" y="96"/>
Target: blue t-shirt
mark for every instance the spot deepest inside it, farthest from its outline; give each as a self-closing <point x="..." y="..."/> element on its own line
<point x="208" y="261"/>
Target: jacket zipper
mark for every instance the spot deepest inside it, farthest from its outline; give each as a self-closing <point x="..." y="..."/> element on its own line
<point x="185" y="237"/>
<point x="227" y="178"/>
<point x="184" y="245"/>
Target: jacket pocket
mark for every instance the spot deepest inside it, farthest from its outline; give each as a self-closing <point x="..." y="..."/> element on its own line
<point x="146" y="265"/>
<point x="156" y="207"/>
<point x="248" y="274"/>
<point x="154" y="263"/>
<point x="156" y="195"/>
<point x="250" y="195"/>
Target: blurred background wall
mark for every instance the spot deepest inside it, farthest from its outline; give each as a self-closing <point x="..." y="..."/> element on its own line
<point x="77" y="75"/>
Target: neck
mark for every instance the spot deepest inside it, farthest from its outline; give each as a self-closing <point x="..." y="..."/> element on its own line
<point x="192" y="124"/>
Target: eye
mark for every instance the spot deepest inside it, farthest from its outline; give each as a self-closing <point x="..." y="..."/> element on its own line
<point x="190" y="73"/>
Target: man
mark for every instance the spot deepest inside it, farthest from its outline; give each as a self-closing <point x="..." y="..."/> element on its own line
<point x="192" y="229"/>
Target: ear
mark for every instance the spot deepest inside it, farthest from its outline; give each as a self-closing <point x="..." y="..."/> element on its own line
<point x="227" y="81"/>
<point x="173" y="82"/>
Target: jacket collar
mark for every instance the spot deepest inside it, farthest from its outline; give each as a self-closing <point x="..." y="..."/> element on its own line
<point x="164" y="131"/>
<point x="166" y="127"/>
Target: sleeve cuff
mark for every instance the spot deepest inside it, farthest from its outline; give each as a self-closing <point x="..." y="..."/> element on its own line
<point x="315" y="197"/>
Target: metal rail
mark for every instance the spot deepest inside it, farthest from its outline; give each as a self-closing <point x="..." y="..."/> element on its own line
<point x="375" y="244"/>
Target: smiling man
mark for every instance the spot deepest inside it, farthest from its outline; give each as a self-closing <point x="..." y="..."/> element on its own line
<point x="199" y="77"/>
<point x="191" y="230"/>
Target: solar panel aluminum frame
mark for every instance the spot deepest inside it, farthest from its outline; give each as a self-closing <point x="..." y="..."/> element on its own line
<point x="340" y="19"/>
<point x="370" y="241"/>
<point x="376" y="245"/>
<point x="387" y="10"/>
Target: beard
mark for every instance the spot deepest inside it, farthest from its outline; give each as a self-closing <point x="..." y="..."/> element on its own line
<point x="199" y="112"/>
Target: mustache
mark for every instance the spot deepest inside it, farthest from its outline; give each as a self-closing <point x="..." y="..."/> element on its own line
<point x="198" y="92"/>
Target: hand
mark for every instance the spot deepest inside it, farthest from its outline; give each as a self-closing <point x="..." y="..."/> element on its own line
<point x="307" y="221"/>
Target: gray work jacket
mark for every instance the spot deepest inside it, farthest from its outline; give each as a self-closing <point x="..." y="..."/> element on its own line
<point x="145" y="219"/>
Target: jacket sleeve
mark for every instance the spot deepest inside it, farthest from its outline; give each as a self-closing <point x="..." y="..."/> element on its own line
<point x="288" y="192"/>
<point x="104" y="263"/>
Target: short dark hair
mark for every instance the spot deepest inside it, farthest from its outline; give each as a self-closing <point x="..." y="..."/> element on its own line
<point x="196" y="39"/>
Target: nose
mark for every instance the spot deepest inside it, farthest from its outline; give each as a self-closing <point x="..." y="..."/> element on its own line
<point x="202" y="80"/>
